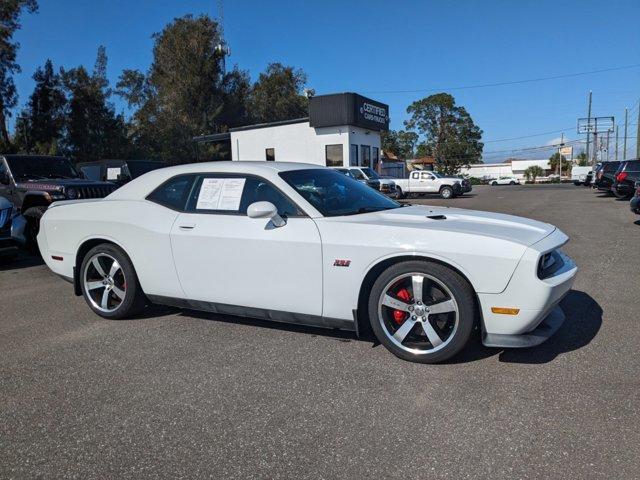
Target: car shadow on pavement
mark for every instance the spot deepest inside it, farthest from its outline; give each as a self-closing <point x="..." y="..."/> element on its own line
<point x="583" y="321"/>
<point x="22" y="260"/>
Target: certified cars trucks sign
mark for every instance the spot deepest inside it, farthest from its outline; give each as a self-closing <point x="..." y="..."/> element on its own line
<point x="348" y="109"/>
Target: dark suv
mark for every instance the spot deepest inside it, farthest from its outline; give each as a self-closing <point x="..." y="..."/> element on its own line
<point x="32" y="183"/>
<point x="117" y="171"/>
<point x="635" y="201"/>
<point x="606" y="176"/>
<point x="625" y="179"/>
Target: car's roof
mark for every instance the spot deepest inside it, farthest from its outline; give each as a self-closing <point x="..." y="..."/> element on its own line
<point x="144" y="184"/>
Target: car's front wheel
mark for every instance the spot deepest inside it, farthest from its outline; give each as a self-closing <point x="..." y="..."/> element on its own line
<point x="422" y="311"/>
<point x="109" y="283"/>
<point x="494" y="183"/>
<point x="399" y="193"/>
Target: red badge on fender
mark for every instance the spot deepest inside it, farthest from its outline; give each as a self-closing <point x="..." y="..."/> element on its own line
<point x="341" y="263"/>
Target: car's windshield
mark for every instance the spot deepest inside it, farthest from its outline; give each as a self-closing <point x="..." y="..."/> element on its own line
<point x="141" y="167"/>
<point x="39" y="168"/>
<point x="371" y="173"/>
<point x="437" y="175"/>
<point x="334" y="194"/>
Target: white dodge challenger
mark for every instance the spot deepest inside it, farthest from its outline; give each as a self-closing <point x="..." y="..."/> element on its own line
<point x="305" y="244"/>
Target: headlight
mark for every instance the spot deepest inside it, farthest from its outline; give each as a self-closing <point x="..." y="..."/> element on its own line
<point x="71" y="193"/>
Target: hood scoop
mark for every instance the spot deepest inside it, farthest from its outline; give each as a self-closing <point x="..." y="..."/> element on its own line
<point x="437" y="217"/>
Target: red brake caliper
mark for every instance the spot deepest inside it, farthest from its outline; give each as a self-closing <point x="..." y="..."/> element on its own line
<point x="398" y="315"/>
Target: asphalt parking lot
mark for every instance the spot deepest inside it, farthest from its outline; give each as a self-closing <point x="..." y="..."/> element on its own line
<point x="187" y="395"/>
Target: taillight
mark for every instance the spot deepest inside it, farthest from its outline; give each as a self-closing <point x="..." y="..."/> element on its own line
<point x="621" y="176"/>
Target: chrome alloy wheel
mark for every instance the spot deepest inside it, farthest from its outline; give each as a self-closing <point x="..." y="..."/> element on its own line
<point x="418" y="313"/>
<point x="104" y="282"/>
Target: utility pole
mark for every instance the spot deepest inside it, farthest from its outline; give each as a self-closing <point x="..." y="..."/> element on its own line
<point x="638" y="133"/>
<point x="560" y="158"/>
<point x="588" y="122"/>
<point x="626" y="124"/>
<point x="617" y="142"/>
<point x="607" y="145"/>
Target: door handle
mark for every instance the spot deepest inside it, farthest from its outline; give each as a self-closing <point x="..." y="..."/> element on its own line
<point x="187" y="226"/>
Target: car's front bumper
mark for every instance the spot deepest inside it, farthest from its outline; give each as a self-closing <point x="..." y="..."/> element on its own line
<point x="635" y="205"/>
<point x="534" y="298"/>
<point x="549" y="325"/>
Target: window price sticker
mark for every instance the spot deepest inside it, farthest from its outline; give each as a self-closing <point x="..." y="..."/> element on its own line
<point x="220" y="194"/>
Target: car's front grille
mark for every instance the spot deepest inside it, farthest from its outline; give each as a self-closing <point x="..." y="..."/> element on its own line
<point x="99" y="191"/>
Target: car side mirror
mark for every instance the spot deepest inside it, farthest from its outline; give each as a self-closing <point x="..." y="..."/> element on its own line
<point x="266" y="210"/>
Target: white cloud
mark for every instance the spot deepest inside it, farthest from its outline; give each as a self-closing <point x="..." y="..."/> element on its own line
<point x="557" y="140"/>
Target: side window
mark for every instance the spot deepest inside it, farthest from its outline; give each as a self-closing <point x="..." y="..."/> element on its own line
<point x="357" y="174"/>
<point x="92" y="172"/>
<point x="426" y="176"/>
<point x="259" y="190"/>
<point x="270" y="154"/>
<point x="174" y="192"/>
<point x="415" y="175"/>
<point x="224" y="194"/>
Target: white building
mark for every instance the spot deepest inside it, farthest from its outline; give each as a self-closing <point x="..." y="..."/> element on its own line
<point x="342" y="129"/>
<point x="513" y="168"/>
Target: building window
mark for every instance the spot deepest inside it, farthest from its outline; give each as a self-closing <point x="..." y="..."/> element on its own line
<point x="353" y="156"/>
<point x="333" y="155"/>
<point x="270" y="154"/>
<point x="365" y="159"/>
<point x="375" y="158"/>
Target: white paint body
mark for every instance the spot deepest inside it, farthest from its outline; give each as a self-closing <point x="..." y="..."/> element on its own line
<point x="423" y="182"/>
<point x="238" y="260"/>
<point x="505" y="181"/>
<point x="579" y="174"/>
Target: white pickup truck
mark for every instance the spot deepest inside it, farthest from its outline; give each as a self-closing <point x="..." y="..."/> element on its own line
<point x="422" y="182"/>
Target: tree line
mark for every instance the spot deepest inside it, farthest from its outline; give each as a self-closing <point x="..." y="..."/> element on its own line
<point x="185" y="92"/>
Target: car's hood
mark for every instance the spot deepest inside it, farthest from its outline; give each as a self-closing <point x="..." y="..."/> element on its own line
<point x="520" y="230"/>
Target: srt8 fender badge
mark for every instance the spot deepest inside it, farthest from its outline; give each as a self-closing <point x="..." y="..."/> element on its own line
<point x="341" y="263"/>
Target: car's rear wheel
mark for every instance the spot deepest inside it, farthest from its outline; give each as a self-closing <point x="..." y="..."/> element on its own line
<point x="446" y="192"/>
<point x="422" y="311"/>
<point x="494" y="183"/>
<point x="109" y="283"/>
<point x="399" y="193"/>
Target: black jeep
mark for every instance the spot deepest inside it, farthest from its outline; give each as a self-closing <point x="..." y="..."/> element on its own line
<point x="118" y="171"/>
<point x="32" y="183"/>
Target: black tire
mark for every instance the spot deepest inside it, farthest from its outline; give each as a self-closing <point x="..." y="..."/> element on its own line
<point x="461" y="291"/>
<point x="399" y="193"/>
<point x="32" y="216"/>
<point x="134" y="299"/>
<point x="447" y="192"/>
<point x="512" y="183"/>
<point x="494" y="184"/>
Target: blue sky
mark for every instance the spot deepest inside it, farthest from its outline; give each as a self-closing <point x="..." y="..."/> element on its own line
<point x="377" y="47"/>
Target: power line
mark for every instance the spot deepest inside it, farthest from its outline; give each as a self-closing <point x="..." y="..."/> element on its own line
<point x="513" y="82"/>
